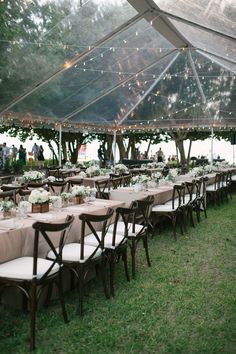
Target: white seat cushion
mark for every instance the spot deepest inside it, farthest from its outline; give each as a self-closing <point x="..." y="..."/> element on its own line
<point x="211" y="188"/>
<point x="163" y="208"/>
<point x="92" y="241"/>
<point x="71" y="253"/>
<point x="120" y="229"/>
<point x="22" y="268"/>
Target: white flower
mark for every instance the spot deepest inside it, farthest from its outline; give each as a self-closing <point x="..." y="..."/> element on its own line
<point x="82" y="174"/>
<point x="39" y="196"/>
<point x="90" y="191"/>
<point x="32" y="176"/>
<point x="120" y="168"/>
<point x="196" y="171"/>
<point x="93" y="171"/>
<point x="65" y="195"/>
<point x="173" y="173"/>
<point x="140" y="179"/>
<point x="77" y="191"/>
<point x="156" y="176"/>
<point x="7" y="205"/>
<point x="51" y="178"/>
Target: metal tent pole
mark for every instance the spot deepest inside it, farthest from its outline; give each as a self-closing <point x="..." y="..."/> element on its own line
<point x="212" y="144"/>
<point x="114" y="147"/>
<point x="60" y="138"/>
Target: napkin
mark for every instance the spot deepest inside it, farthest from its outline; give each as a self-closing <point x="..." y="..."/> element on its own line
<point x="42" y="217"/>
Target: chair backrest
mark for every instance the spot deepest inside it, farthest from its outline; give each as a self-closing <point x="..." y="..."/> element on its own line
<point x="191" y="189"/>
<point x="72" y="182"/>
<point x="126" y="180"/>
<point x="57" y="186"/>
<point x="9" y="195"/>
<point x="144" y="208"/>
<point x="201" y="187"/>
<point x="91" y="223"/>
<point x="35" y="184"/>
<point x="116" y="182"/>
<point x="218" y="180"/>
<point x="42" y="229"/>
<point x="102" y="189"/>
<point x="127" y="216"/>
<point x="6" y="179"/>
<point x="178" y="195"/>
<point x="53" y="171"/>
<point x="114" y="175"/>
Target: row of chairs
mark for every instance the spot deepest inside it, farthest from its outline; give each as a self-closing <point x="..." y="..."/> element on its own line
<point x="186" y="198"/>
<point x="117" y="233"/>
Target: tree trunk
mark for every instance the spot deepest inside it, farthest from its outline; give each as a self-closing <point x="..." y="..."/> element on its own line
<point x="121" y="146"/>
<point x="189" y="152"/>
<point x="180" y="146"/>
<point x="132" y="147"/>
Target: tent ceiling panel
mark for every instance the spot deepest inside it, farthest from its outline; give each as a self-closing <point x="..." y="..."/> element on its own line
<point x="113" y="107"/>
<point x="210" y="42"/>
<point x="177" y="101"/>
<point x="107" y="67"/>
<point x="44" y="38"/>
<point x="216" y="14"/>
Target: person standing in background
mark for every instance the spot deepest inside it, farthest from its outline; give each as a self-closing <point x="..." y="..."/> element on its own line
<point x="13" y="153"/>
<point x="160" y="156"/>
<point x="22" y="154"/>
<point x="41" y="156"/>
<point x="5" y="153"/>
<point x="35" y="150"/>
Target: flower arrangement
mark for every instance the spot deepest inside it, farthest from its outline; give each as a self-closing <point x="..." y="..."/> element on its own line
<point x="156" y="177"/>
<point x="197" y="171"/>
<point x="140" y="179"/>
<point x="82" y="174"/>
<point x="32" y="176"/>
<point x="39" y="196"/>
<point x="208" y="168"/>
<point x="56" y="201"/>
<point x="173" y="173"/>
<point x="221" y="166"/>
<point x="78" y="191"/>
<point x="120" y="168"/>
<point x="93" y="171"/>
<point x="68" y="164"/>
<point x="65" y="196"/>
<point x="90" y="191"/>
<point x="7" y="205"/>
<point x="51" y="178"/>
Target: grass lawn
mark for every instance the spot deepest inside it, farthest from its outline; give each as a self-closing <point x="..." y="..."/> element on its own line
<point x="185" y="303"/>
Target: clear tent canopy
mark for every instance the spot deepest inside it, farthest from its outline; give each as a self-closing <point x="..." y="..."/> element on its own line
<point x="116" y="65"/>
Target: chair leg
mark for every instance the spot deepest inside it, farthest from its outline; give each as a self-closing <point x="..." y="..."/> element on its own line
<point x="103" y="276"/>
<point x="61" y="297"/>
<point x="81" y="289"/>
<point x="125" y="260"/>
<point x="133" y="252"/>
<point x="173" y="220"/>
<point x="33" y="309"/>
<point x="112" y="271"/>
<point x="145" y="245"/>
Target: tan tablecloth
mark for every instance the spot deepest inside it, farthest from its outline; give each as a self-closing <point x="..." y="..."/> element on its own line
<point x="18" y="242"/>
<point x="161" y="194"/>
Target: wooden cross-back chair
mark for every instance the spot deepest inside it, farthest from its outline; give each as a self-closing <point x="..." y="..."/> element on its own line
<point x="31" y="274"/>
<point x="79" y="257"/>
<point x="171" y="210"/>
